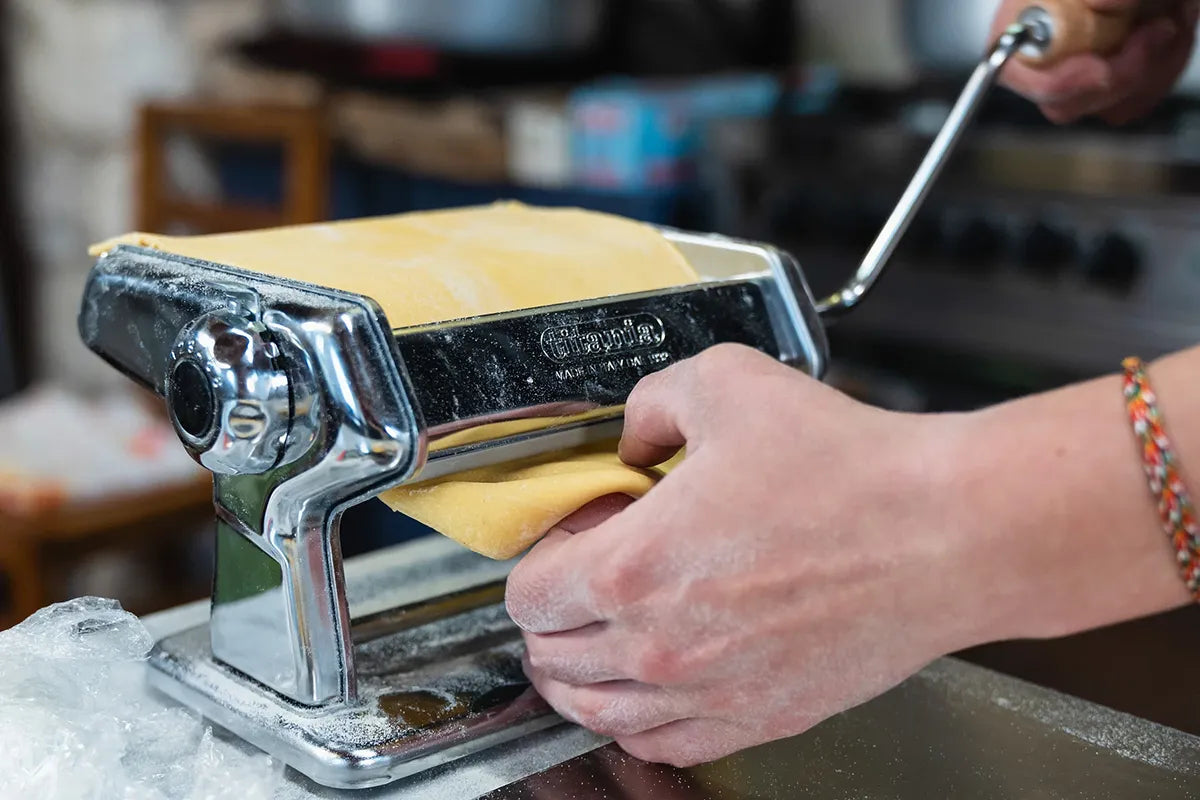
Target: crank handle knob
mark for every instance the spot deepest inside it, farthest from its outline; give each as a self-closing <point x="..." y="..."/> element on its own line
<point x="1060" y="29"/>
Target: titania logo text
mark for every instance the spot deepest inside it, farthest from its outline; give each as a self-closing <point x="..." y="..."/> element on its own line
<point x="603" y="337"/>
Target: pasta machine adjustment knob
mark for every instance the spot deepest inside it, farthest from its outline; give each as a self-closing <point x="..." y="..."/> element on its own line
<point x="229" y="400"/>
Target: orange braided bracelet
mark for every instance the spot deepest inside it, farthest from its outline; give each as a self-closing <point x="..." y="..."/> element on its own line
<point x="1174" y="504"/>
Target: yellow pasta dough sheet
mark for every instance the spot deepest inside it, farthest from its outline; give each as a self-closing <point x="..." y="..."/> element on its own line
<point x="435" y="266"/>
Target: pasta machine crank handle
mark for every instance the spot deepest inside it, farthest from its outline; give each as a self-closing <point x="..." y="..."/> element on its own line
<point x="1044" y="34"/>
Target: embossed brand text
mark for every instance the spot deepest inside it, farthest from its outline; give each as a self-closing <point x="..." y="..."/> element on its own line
<point x="603" y="337"/>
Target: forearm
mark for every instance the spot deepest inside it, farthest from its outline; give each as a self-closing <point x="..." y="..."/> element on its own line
<point x="1052" y="491"/>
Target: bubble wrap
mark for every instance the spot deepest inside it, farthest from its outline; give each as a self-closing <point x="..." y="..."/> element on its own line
<point x="77" y="723"/>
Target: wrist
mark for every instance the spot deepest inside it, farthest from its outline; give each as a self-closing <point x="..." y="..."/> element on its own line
<point x="1055" y="528"/>
<point x="966" y="511"/>
<point x="935" y="481"/>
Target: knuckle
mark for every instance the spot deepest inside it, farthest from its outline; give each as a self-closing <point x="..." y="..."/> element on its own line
<point x="586" y="710"/>
<point x="650" y="384"/>
<point x="638" y="408"/>
<point x="660" y="665"/>
<point x="590" y="711"/>
<point x="656" y="388"/>
<point x="601" y="722"/>
<point x="556" y="667"/>
<point x="535" y="655"/>
<point x="717" y="360"/>
<point x="524" y="594"/>
<point x="640" y="747"/>
<point x="724" y="702"/>
<point x="716" y="367"/>
<point x="514" y="604"/>
<point x="1059" y="115"/>
<point x="792" y="722"/>
<point x="683" y="760"/>
<point x="1021" y="80"/>
<point x="615" y="586"/>
<point x="701" y="658"/>
<point x="655" y="750"/>
<point x="515" y="601"/>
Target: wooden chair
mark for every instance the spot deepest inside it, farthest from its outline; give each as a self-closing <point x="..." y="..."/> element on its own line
<point x="21" y="572"/>
<point x="301" y="132"/>
<point x="33" y="547"/>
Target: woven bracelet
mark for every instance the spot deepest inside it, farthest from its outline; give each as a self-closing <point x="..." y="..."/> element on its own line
<point x="1175" y="507"/>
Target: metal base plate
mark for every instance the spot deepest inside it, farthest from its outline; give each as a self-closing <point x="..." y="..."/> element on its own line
<point x="435" y="683"/>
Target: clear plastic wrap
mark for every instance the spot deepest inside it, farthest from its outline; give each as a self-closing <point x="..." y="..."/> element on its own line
<point x="77" y="723"/>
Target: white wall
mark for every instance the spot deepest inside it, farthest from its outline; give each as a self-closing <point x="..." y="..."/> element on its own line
<point x="81" y="67"/>
<point x="862" y="37"/>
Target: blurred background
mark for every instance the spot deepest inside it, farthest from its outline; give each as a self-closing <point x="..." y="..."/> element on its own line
<point x="1045" y="256"/>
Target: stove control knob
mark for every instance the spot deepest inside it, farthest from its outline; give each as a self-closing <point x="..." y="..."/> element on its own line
<point x="229" y="400"/>
<point x="1115" y="263"/>
<point x="1047" y="249"/>
<point x="976" y="244"/>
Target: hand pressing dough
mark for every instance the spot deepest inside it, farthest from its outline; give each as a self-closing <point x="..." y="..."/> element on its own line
<point x="435" y="266"/>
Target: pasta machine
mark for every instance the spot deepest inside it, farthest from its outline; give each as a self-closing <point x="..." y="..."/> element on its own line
<point x="303" y="401"/>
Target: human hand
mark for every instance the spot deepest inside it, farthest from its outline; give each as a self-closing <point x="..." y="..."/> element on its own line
<point x="795" y="564"/>
<point x="1118" y="88"/>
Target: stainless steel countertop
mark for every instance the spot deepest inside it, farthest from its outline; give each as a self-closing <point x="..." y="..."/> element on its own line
<point x="954" y="730"/>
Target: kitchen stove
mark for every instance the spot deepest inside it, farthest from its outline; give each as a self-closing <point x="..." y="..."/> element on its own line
<point x="1062" y="248"/>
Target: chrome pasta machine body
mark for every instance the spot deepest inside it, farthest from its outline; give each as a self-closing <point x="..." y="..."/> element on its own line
<point x="303" y="401"/>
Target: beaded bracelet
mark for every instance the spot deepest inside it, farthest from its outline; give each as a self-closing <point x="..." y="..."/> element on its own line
<point x="1174" y="504"/>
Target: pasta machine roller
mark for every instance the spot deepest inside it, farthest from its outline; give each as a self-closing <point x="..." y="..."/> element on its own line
<point x="303" y="401"/>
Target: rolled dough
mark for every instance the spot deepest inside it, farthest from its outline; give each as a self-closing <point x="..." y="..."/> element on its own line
<point x="435" y="266"/>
